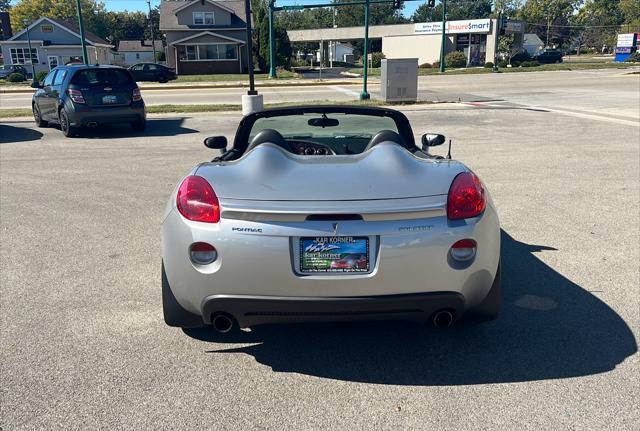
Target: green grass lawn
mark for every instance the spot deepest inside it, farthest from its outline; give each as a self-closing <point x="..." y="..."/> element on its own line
<point x="545" y="67"/>
<point x="281" y="74"/>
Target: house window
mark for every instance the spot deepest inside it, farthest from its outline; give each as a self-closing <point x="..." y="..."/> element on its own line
<point x="21" y="55"/>
<point x="203" y="18"/>
<point x="46" y="28"/>
<point x="219" y="51"/>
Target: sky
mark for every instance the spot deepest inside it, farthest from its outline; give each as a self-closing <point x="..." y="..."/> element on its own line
<point x="141" y="5"/>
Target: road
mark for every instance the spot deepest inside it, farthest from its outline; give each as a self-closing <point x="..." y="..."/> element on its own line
<point x="84" y="344"/>
<point x="617" y="91"/>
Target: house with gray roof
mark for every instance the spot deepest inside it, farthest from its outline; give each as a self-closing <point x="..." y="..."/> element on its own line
<point x="204" y="36"/>
<point x="131" y="52"/>
<point x="53" y="42"/>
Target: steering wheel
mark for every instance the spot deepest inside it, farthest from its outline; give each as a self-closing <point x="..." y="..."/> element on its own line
<point x="270" y="136"/>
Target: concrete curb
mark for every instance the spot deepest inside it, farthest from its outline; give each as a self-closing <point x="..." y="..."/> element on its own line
<point x="303" y="83"/>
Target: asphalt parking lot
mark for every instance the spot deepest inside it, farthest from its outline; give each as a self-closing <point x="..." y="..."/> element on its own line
<point x="83" y="344"/>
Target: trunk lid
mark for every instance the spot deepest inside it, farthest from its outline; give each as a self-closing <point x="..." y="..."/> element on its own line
<point x="385" y="172"/>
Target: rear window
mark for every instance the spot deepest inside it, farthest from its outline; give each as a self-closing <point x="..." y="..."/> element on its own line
<point x="102" y="77"/>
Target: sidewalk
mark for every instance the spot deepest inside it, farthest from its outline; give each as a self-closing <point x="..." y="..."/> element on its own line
<point x="8" y="89"/>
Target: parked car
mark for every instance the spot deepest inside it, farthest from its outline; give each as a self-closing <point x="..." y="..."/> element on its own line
<point x="152" y="72"/>
<point x="8" y="69"/>
<point x="87" y="96"/>
<point x="548" y="55"/>
<point x="329" y="213"/>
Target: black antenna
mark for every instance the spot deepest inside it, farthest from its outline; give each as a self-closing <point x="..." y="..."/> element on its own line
<point x="449" y="153"/>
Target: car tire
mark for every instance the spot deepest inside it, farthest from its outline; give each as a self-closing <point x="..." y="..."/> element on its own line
<point x="489" y="308"/>
<point x="163" y="79"/>
<point x="139" y="126"/>
<point x="38" y="117"/>
<point x="65" y="124"/>
<point x="174" y="313"/>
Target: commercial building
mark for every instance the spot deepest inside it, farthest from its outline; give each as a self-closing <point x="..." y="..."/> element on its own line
<point x="475" y="37"/>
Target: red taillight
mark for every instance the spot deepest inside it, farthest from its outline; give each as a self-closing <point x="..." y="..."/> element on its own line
<point x="136" y="95"/>
<point x="197" y="201"/>
<point x="464" y="250"/>
<point x="76" y="96"/>
<point x="466" y="197"/>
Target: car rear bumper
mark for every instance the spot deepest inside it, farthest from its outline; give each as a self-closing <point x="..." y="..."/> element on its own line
<point x="84" y="116"/>
<point x="256" y="310"/>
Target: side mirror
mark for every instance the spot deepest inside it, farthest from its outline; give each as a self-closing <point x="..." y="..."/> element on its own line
<point x="216" y="143"/>
<point x="432" y="140"/>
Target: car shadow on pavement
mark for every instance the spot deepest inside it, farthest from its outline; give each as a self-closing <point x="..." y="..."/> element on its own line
<point x="549" y="328"/>
<point x="155" y="127"/>
<point x="15" y="134"/>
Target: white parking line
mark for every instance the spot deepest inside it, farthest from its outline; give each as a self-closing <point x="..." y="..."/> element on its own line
<point x="634" y="123"/>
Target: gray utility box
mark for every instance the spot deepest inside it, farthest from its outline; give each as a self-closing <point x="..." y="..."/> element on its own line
<point x="399" y="79"/>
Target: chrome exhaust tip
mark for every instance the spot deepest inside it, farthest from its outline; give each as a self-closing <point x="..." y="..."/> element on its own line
<point x="443" y="319"/>
<point x="222" y="322"/>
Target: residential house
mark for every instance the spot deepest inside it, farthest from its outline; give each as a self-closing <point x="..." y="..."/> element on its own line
<point x="204" y="36"/>
<point x="53" y="43"/>
<point x="131" y="52"/>
<point x="532" y="43"/>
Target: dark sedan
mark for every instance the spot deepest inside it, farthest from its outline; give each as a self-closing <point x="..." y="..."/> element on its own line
<point x="88" y="96"/>
<point x="549" y="56"/>
<point x="152" y="72"/>
<point x="8" y="69"/>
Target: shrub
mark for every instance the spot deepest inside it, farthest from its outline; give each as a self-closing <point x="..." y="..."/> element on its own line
<point x="633" y="58"/>
<point x="455" y="59"/>
<point x="488" y="65"/>
<point x="425" y="66"/>
<point x="16" y="77"/>
<point x="503" y="63"/>
<point x="519" y="58"/>
<point x="529" y="64"/>
<point x="41" y="75"/>
<point x="376" y="59"/>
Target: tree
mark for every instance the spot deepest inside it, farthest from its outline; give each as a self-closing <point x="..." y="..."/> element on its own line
<point x="5" y="5"/>
<point x="379" y="14"/>
<point x="550" y="18"/>
<point x="631" y="14"/>
<point x="456" y="10"/>
<point x="93" y="13"/>
<point x="599" y="21"/>
<point x="282" y="44"/>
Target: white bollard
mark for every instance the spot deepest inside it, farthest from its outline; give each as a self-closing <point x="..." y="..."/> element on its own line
<point x="251" y="104"/>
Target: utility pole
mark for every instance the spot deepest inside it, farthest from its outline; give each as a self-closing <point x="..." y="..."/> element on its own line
<point x="272" y="48"/>
<point x="547" y="44"/>
<point x="153" y="37"/>
<point x="444" y="35"/>
<point x="365" y="95"/>
<point x="34" y="83"/>
<point x="83" y="42"/>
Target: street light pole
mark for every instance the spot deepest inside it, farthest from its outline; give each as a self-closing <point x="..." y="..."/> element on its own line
<point x="153" y="37"/>
<point x="252" y="86"/>
<point x="83" y="42"/>
<point x="272" y="48"/>
<point x="444" y="36"/>
<point x="365" y="95"/>
<point x="33" y="67"/>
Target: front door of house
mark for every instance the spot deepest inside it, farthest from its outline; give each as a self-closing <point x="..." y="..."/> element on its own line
<point x="53" y="61"/>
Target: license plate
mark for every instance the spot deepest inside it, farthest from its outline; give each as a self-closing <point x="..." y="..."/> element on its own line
<point x="342" y="254"/>
<point x="107" y="100"/>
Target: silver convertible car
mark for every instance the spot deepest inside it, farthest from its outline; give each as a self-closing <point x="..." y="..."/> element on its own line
<point x="329" y="213"/>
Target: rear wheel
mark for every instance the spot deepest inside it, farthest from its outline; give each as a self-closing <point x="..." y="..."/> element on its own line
<point x="37" y="116"/>
<point x="65" y="124"/>
<point x="163" y="79"/>
<point x="489" y="308"/>
<point x="139" y="126"/>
